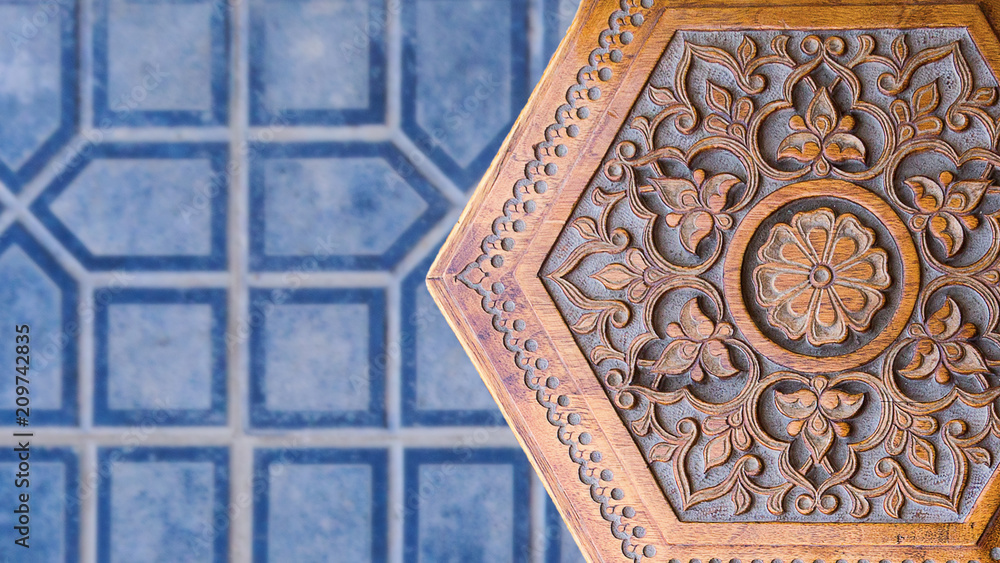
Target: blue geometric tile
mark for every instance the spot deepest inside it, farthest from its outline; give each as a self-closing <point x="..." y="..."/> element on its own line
<point x="460" y="123"/>
<point x="142" y="207"/>
<point x="161" y="62"/>
<point x="160" y="357"/>
<point x="436" y="369"/>
<point x="558" y="16"/>
<point x="317" y="62"/>
<point x="36" y="291"/>
<point x="162" y="504"/>
<point x="560" y="545"/>
<point x="336" y="206"/>
<point x="38" y="108"/>
<point x="53" y="518"/>
<point x="447" y="516"/>
<point x="320" y="505"/>
<point x="317" y="357"/>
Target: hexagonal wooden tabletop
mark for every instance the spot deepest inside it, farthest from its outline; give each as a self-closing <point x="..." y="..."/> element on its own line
<point x="733" y="279"/>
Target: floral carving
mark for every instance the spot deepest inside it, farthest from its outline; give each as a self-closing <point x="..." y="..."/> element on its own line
<point x="821" y="275"/>
<point x="722" y="425"/>
<point x="823" y="137"/>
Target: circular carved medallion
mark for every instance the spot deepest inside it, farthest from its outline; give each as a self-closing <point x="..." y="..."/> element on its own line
<point x="823" y="290"/>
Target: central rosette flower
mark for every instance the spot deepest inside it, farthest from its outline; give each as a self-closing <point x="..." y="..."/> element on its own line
<point x="821" y="275"/>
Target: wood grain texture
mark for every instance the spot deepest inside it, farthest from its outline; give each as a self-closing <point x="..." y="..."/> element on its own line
<point x="685" y="259"/>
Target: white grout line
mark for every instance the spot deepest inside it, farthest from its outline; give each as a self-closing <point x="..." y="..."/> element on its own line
<point x="539" y="539"/>
<point x="88" y="484"/>
<point x="394" y="534"/>
<point x="320" y="279"/>
<point x="429" y="170"/>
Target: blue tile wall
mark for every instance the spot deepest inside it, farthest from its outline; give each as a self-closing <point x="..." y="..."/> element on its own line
<point x="216" y="217"/>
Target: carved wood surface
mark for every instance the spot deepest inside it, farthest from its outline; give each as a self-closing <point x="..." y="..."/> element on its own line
<point x="750" y="276"/>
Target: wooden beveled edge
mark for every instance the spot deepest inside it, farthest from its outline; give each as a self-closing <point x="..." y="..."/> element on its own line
<point x="463" y="246"/>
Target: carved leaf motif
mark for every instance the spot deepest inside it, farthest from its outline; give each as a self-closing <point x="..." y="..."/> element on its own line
<point x="894" y="502"/>
<point x="587" y="228"/>
<point x="742" y="499"/>
<point x="978" y="455"/>
<point x="796" y="405"/>
<point x="926" y="357"/>
<point x="803" y="147"/>
<point x="715" y="359"/>
<point x="985" y="96"/>
<point x="924" y="425"/>
<point x="716" y="190"/>
<point x="663" y="451"/>
<point x="899" y="49"/>
<point x="963" y="358"/>
<point x="717" y="97"/>
<point x="927" y="194"/>
<point x="921" y="452"/>
<point x="838" y="405"/>
<point x="896" y="442"/>
<point x="860" y="506"/>
<point x="948" y="231"/>
<point x="677" y="193"/>
<point x="747" y="50"/>
<point x="586" y="323"/>
<point x="676" y="358"/>
<point x="601" y="353"/>
<point x="965" y="195"/>
<point x="694" y="322"/>
<point x="945" y="322"/>
<point x="717" y="451"/>
<point x="694" y="227"/>
<point x="615" y="276"/>
<point x="926" y="99"/>
<point x="662" y="96"/>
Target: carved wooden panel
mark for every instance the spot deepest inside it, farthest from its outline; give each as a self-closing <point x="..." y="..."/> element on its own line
<point x="736" y="273"/>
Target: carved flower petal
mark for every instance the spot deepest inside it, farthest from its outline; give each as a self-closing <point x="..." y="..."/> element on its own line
<point x="677" y="193"/>
<point x="777" y="283"/>
<point x="815" y="229"/>
<point x="851" y="240"/>
<point x="694" y="227"/>
<point x="871" y="270"/>
<point x="827" y="326"/>
<point x="945" y="322"/>
<point x="676" y="358"/>
<point x="963" y="358"/>
<point x="615" y="276"/>
<point x="694" y="322"/>
<point x="926" y="357"/>
<point x="819" y="437"/>
<point x="793" y="313"/>
<point x="784" y="247"/>
<point x="840" y="405"/>
<point x="715" y="359"/>
<point x="821" y="115"/>
<point x="927" y="194"/>
<point x="803" y="147"/>
<point x="842" y="147"/>
<point x="946" y="228"/>
<point x="795" y="427"/>
<point x="964" y="196"/>
<point x="858" y="303"/>
<point x="716" y="189"/>
<point x="797" y="405"/>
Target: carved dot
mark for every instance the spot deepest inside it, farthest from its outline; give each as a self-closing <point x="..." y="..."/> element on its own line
<point x="530" y="345"/>
<point x="573" y="418"/>
<point x="573" y="130"/>
<point x="497" y="288"/>
<point x="615" y="170"/>
<point x="628" y="512"/>
<point x="649" y="551"/>
<point x="607" y="475"/>
<point x="507" y="244"/>
<point x="995" y="553"/>
<point x="563" y="401"/>
<point x="618" y="494"/>
<point x="509" y="306"/>
<point x="561" y="150"/>
<point x="626" y="37"/>
<point x="821" y="276"/>
<point x="583" y="113"/>
<point x="519" y="325"/>
<point x="627" y="400"/>
<point x="616" y="56"/>
<point x="551" y="169"/>
<point x="628" y="149"/>
<point x="639" y="531"/>
<point x="595" y="457"/>
<point x="614" y="379"/>
<point x="637" y="20"/>
<point x="594" y="93"/>
<point x="541" y="363"/>
<point x="552" y="382"/>
<point x="647" y="3"/>
<point x="585" y="438"/>
<point x="497" y="261"/>
<point x="518" y="225"/>
<point x="529" y="206"/>
<point x="604" y="74"/>
<point x="540" y="187"/>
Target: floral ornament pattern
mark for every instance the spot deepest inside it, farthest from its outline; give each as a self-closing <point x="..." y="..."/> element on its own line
<point x="819" y="411"/>
<point x="697" y="206"/>
<point x="640" y="275"/>
<point x="820" y="276"/>
<point x="944" y="206"/>
<point x="823" y="137"/>
<point x="943" y="348"/>
<point x="698" y="347"/>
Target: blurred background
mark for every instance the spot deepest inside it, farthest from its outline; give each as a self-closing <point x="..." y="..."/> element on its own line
<point x="216" y="219"/>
